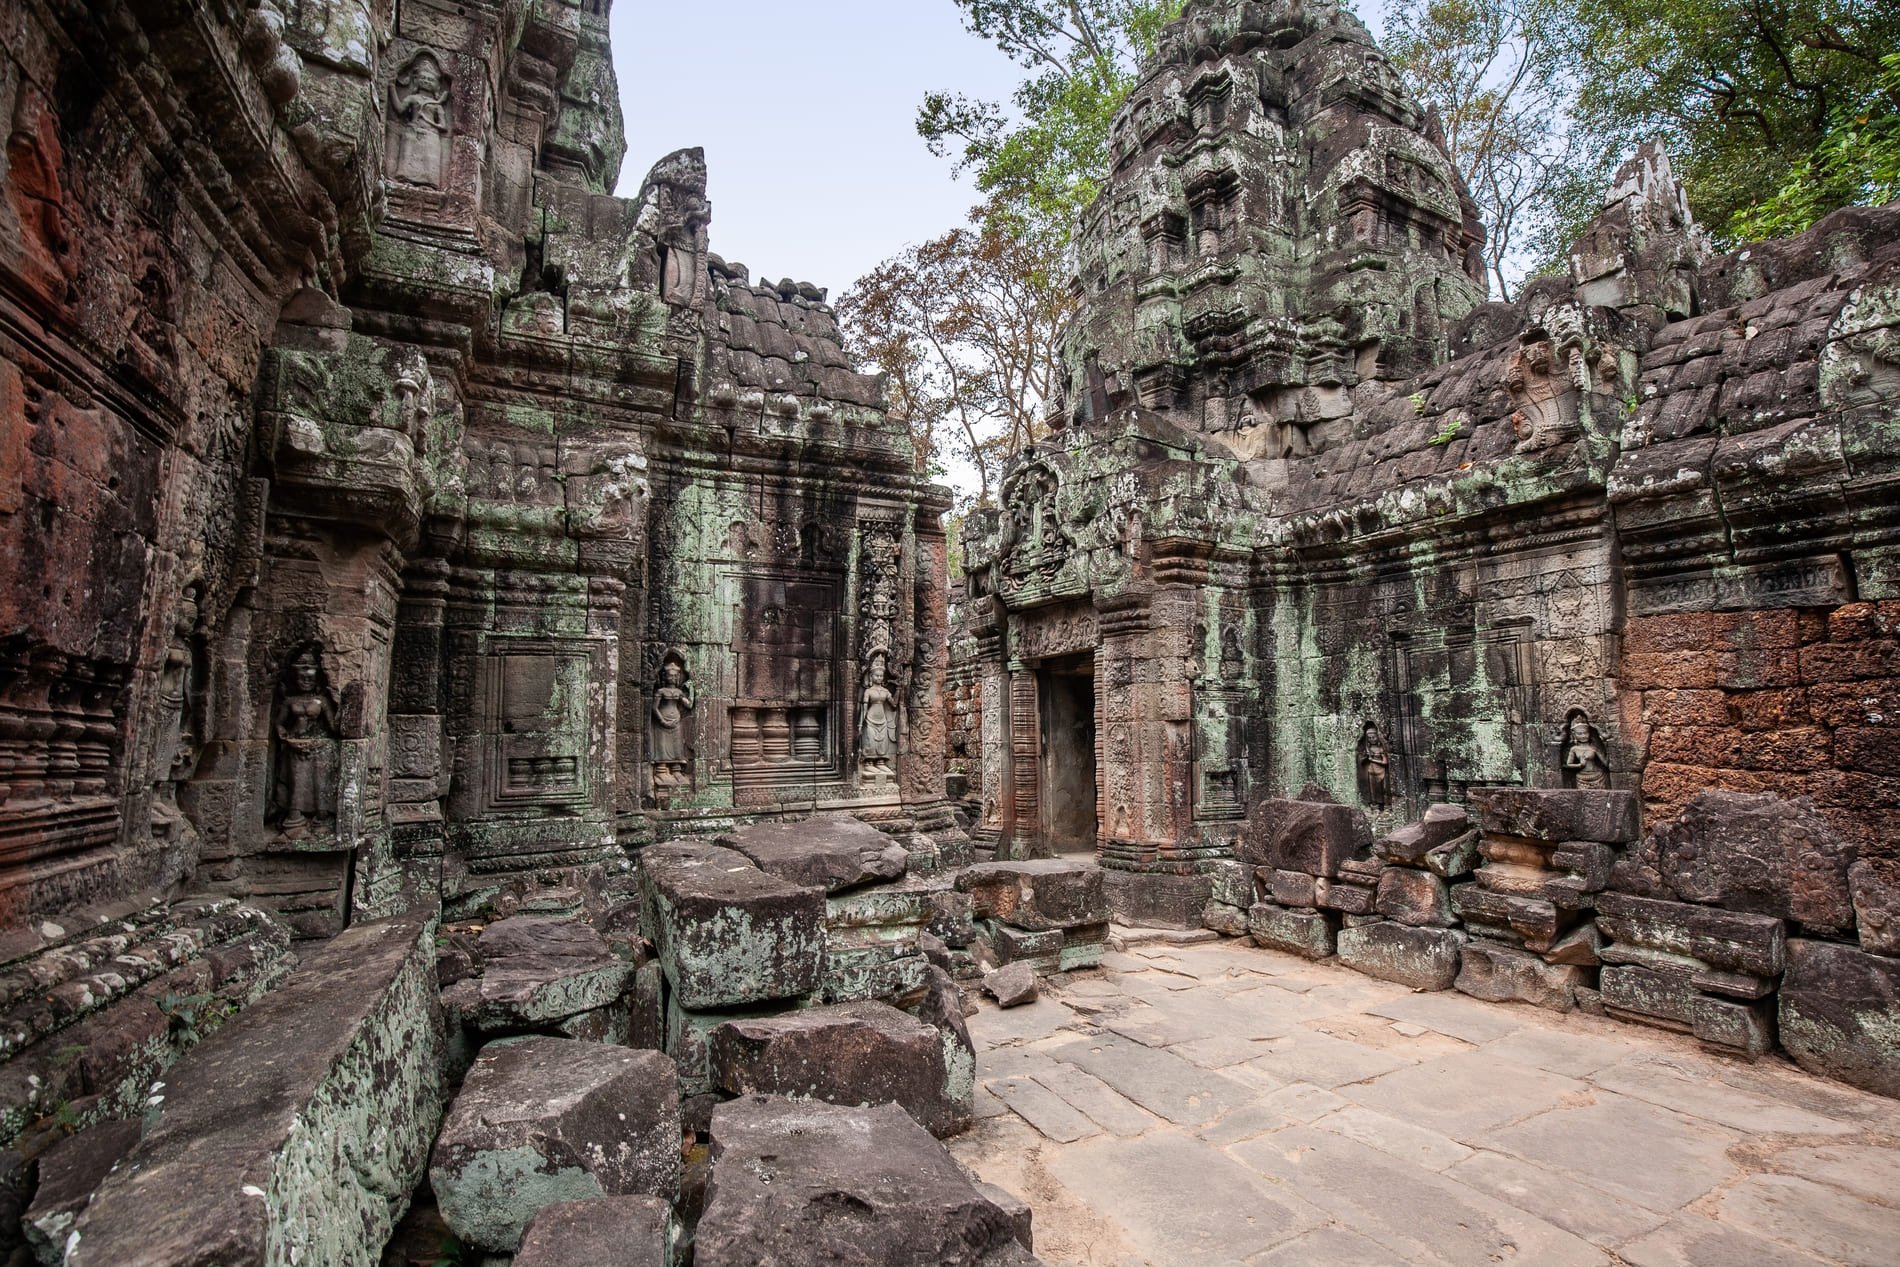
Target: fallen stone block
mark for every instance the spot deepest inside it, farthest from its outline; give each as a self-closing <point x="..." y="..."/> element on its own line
<point x="1228" y="921"/>
<point x="539" y="970"/>
<point x="624" y="1231"/>
<point x="850" y="1053"/>
<point x="1038" y="949"/>
<point x="1232" y="883"/>
<point x="1423" y="958"/>
<point x="541" y="1120"/>
<point x="1415" y="897"/>
<point x="1409" y="845"/>
<point x="1530" y="918"/>
<point x="1294" y="888"/>
<point x="240" y="1161"/>
<point x="1455" y="858"/>
<point x="942" y="1009"/>
<point x="801" y="1183"/>
<point x="832" y="852"/>
<point x="1556" y="814"/>
<point x="1310" y="836"/>
<point x="727" y="933"/>
<point x="1348" y="899"/>
<point x="1739" y="942"/>
<point x="1021" y="1217"/>
<point x="1084" y="947"/>
<point x="69" y="1173"/>
<point x="1505" y="974"/>
<point x="1756" y="853"/>
<point x="1307" y="933"/>
<point x="1147" y="899"/>
<point x="1875" y="884"/>
<point x="1011" y="985"/>
<point x="1036" y="895"/>
<point x="1840" y="1014"/>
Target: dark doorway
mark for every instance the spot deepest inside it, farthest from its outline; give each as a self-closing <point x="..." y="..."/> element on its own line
<point x="1066" y="698"/>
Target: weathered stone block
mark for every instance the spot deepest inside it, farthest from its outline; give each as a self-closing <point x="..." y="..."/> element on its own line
<point x="1011" y="986"/>
<point x="1037" y="895"/>
<point x="1423" y="958"/>
<point x="1721" y="939"/>
<point x="805" y="1183"/>
<point x="1756" y="853"/>
<point x="1742" y="1029"/>
<point x="537" y="971"/>
<point x="832" y="852"/>
<point x="1013" y="944"/>
<point x="1556" y="814"/>
<point x="625" y="1231"/>
<point x="1505" y="974"/>
<point x="69" y="1173"/>
<point x="1229" y="921"/>
<point x="1308" y="933"/>
<point x="850" y="1053"/>
<point x="1409" y="845"/>
<point x="1530" y="918"/>
<point x="1840" y="1014"/>
<point x="1415" y="897"/>
<point x="1310" y="836"/>
<point x="1156" y="900"/>
<point x="1294" y="888"/>
<point x="1455" y="858"/>
<point x="1349" y="899"/>
<point x="942" y="1009"/>
<point x="727" y="933"/>
<point x="241" y="1163"/>
<point x="1875" y="884"/>
<point x="542" y="1120"/>
<point x="1655" y="993"/>
<point x="1232" y="883"/>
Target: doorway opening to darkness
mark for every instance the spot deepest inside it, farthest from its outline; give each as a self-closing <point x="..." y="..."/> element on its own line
<point x="1065" y="691"/>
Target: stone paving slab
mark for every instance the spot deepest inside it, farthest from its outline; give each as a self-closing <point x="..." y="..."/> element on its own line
<point x="1214" y="1104"/>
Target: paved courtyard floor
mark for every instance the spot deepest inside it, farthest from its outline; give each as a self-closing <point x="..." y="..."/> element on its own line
<point x="1200" y="1105"/>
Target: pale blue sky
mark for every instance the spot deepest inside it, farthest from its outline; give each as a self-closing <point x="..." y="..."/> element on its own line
<point x="807" y="112"/>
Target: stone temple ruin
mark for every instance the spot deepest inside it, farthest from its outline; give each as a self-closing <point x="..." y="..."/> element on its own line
<point x="484" y="744"/>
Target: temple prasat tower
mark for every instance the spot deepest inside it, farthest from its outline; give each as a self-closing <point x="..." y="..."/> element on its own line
<point x="1318" y="520"/>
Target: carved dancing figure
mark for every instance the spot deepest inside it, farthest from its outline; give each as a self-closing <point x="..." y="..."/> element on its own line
<point x="1584" y="762"/>
<point x="669" y="751"/>
<point x="305" y="725"/>
<point x="1375" y="768"/>
<point x="419" y="119"/>
<point x="177" y="750"/>
<point x="877" y="722"/>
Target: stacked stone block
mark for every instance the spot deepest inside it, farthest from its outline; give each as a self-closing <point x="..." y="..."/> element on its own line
<point x="1528" y="906"/>
<point x="1313" y="872"/>
<point x="1415" y="940"/>
<point x="1049" y="913"/>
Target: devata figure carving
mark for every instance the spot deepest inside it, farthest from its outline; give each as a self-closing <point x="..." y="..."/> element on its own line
<point x="304" y="724"/>
<point x="177" y="751"/>
<point x="669" y="751"/>
<point x="419" y="121"/>
<point x="877" y="723"/>
<point x="1584" y="765"/>
<point x="1375" y="768"/>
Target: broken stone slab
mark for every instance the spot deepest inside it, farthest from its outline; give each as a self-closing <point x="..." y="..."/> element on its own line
<point x="538" y="970"/>
<point x="69" y="1173"/>
<point x="1021" y="1217"/>
<point x="1671" y="997"/>
<point x="625" y="1231"/>
<point x="1036" y="895"/>
<point x="1875" y="884"/>
<point x="1530" y="918"/>
<point x="1307" y="933"/>
<point x="1011" y="985"/>
<point x="1756" y="853"/>
<point x="1455" y="858"/>
<point x="1422" y="958"/>
<point x="1754" y="944"/>
<point x="832" y="852"/>
<point x="1556" y="814"/>
<point x="803" y="1183"/>
<point x="1840" y="1014"/>
<point x="1310" y="836"/>
<point x="942" y="1008"/>
<point x="1348" y="899"/>
<point x="1415" y="897"/>
<point x="1408" y="845"/>
<point x="727" y="933"/>
<point x="848" y="1053"/>
<point x="241" y="1156"/>
<point x="541" y="1120"/>
<point x="1505" y="974"/>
